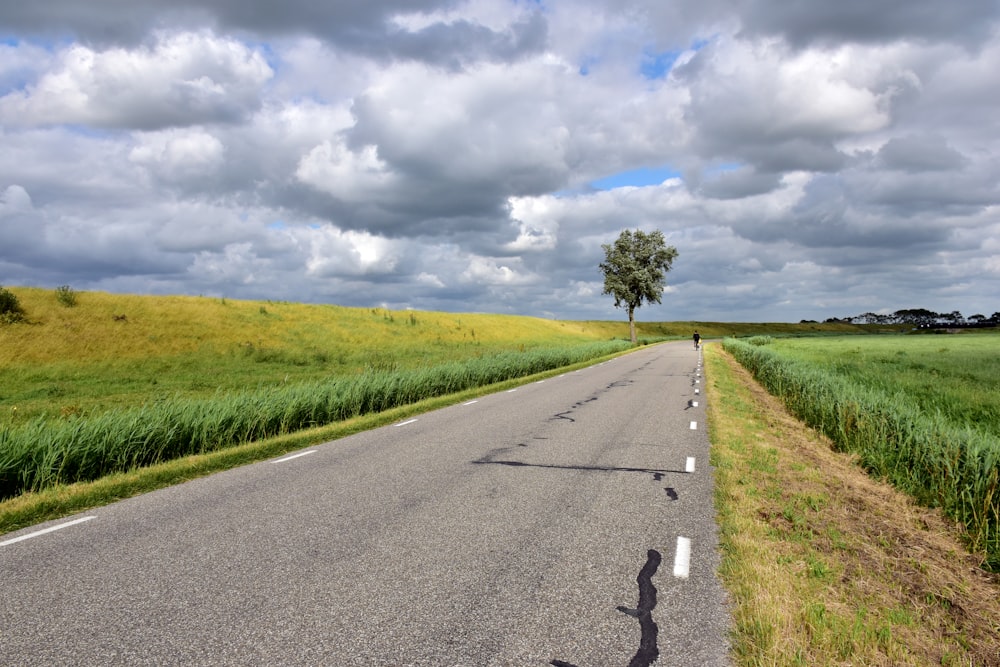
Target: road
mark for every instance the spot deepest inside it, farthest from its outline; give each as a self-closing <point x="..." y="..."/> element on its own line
<point x="566" y="522"/>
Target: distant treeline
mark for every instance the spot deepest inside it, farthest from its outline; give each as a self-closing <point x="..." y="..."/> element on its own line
<point x="923" y="318"/>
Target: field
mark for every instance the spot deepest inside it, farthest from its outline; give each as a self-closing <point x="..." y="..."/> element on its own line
<point x="920" y="411"/>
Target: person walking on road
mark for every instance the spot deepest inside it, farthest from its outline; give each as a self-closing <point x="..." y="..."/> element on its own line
<point x="697" y="340"/>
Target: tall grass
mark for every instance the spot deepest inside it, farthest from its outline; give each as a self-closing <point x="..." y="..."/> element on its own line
<point x="941" y="463"/>
<point x="47" y="452"/>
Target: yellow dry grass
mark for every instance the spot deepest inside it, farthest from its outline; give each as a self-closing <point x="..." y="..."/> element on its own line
<point x="105" y="325"/>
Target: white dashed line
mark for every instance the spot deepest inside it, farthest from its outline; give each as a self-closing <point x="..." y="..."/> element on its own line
<point x="46" y="530"/>
<point x="294" y="456"/>
<point x="689" y="464"/>
<point x="694" y="404"/>
<point x="694" y="426"/>
<point x="682" y="558"/>
<point x="471" y="402"/>
<point x="511" y="391"/>
<point x="408" y="421"/>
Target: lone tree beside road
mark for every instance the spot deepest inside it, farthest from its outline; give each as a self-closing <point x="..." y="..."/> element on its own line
<point x="635" y="270"/>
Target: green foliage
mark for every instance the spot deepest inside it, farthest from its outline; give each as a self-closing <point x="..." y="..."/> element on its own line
<point x="635" y="269"/>
<point x="66" y="295"/>
<point x="10" y="307"/>
<point x="925" y="448"/>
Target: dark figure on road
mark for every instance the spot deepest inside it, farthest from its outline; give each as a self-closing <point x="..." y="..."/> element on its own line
<point x="697" y="340"/>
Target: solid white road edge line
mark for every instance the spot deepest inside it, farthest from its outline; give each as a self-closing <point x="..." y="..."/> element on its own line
<point x="682" y="558"/>
<point x="294" y="456"/>
<point x="46" y="530"/>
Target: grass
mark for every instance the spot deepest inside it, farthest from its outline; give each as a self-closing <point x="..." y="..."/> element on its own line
<point x="825" y="565"/>
<point x="111" y="351"/>
<point x="956" y="376"/>
<point x="45" y="452"/>
<point x="922" y="417"/>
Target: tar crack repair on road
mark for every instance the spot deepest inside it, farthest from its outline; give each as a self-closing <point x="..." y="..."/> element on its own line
<point x="648" y="651"/>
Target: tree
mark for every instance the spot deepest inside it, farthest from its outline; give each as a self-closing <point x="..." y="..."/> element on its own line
<point x="635" y="268"/>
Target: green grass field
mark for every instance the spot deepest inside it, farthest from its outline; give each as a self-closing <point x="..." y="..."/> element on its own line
<point x="957" y="376"/>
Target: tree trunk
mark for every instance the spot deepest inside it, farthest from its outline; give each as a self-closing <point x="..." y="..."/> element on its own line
<point x="631" y="324"/>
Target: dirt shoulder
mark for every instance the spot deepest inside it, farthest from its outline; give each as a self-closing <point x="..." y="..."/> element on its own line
<point x="825" y="565"/>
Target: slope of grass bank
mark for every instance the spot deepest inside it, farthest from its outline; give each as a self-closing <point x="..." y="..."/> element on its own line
<point x="114" y="350"/>
<point x="823" y="564"/>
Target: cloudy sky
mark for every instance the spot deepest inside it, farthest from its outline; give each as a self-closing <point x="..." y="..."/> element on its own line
<point x="807" y="159"/>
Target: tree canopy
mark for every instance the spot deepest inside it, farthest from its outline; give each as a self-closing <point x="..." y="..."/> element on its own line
<point x="635" y="270"/>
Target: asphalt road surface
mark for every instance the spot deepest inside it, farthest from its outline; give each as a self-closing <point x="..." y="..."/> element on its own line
<point x="568" y="522"/>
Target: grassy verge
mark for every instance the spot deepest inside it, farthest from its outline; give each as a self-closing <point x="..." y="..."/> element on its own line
<point x="47" y="452"/>
<point x="824" y="565"/>
<point x="64" y="499"/>
<point x="939" y="460"/>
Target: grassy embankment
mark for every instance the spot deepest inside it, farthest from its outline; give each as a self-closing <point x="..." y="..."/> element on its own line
<point x="824" y="564"/>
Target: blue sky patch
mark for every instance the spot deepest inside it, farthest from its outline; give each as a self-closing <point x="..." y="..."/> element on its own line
<point x="636" y="177"/>
<point x="658" y="65"/>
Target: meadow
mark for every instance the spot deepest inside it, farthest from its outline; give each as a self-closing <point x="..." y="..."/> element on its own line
<point x="921" y="411"/>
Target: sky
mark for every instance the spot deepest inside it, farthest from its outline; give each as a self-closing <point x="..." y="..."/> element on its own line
<point x="807" y="159"/>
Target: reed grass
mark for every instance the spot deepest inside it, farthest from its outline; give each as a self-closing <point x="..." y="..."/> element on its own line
<point x="45" y="453"/>
<point x="939" y="460"/>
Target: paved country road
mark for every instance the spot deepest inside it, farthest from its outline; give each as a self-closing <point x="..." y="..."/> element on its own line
<point x="567" y="522"/>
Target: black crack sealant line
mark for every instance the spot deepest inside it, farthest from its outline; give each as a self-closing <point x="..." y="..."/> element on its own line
<point x="648" y="650"/>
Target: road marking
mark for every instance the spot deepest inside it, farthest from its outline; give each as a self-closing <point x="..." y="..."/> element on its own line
<point x="475" y="400"/>
<point x="697" y="391"/>
<point x="46" y="530"/>
<point x="294" y="456"/>
<point x="689" y="465"/>
<point x="511" y="391"/>
<point x="682" y="558"/>
<point x="694" y="426"/>
<point x="408" y="421"/>
<point x="694" y="404"/>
